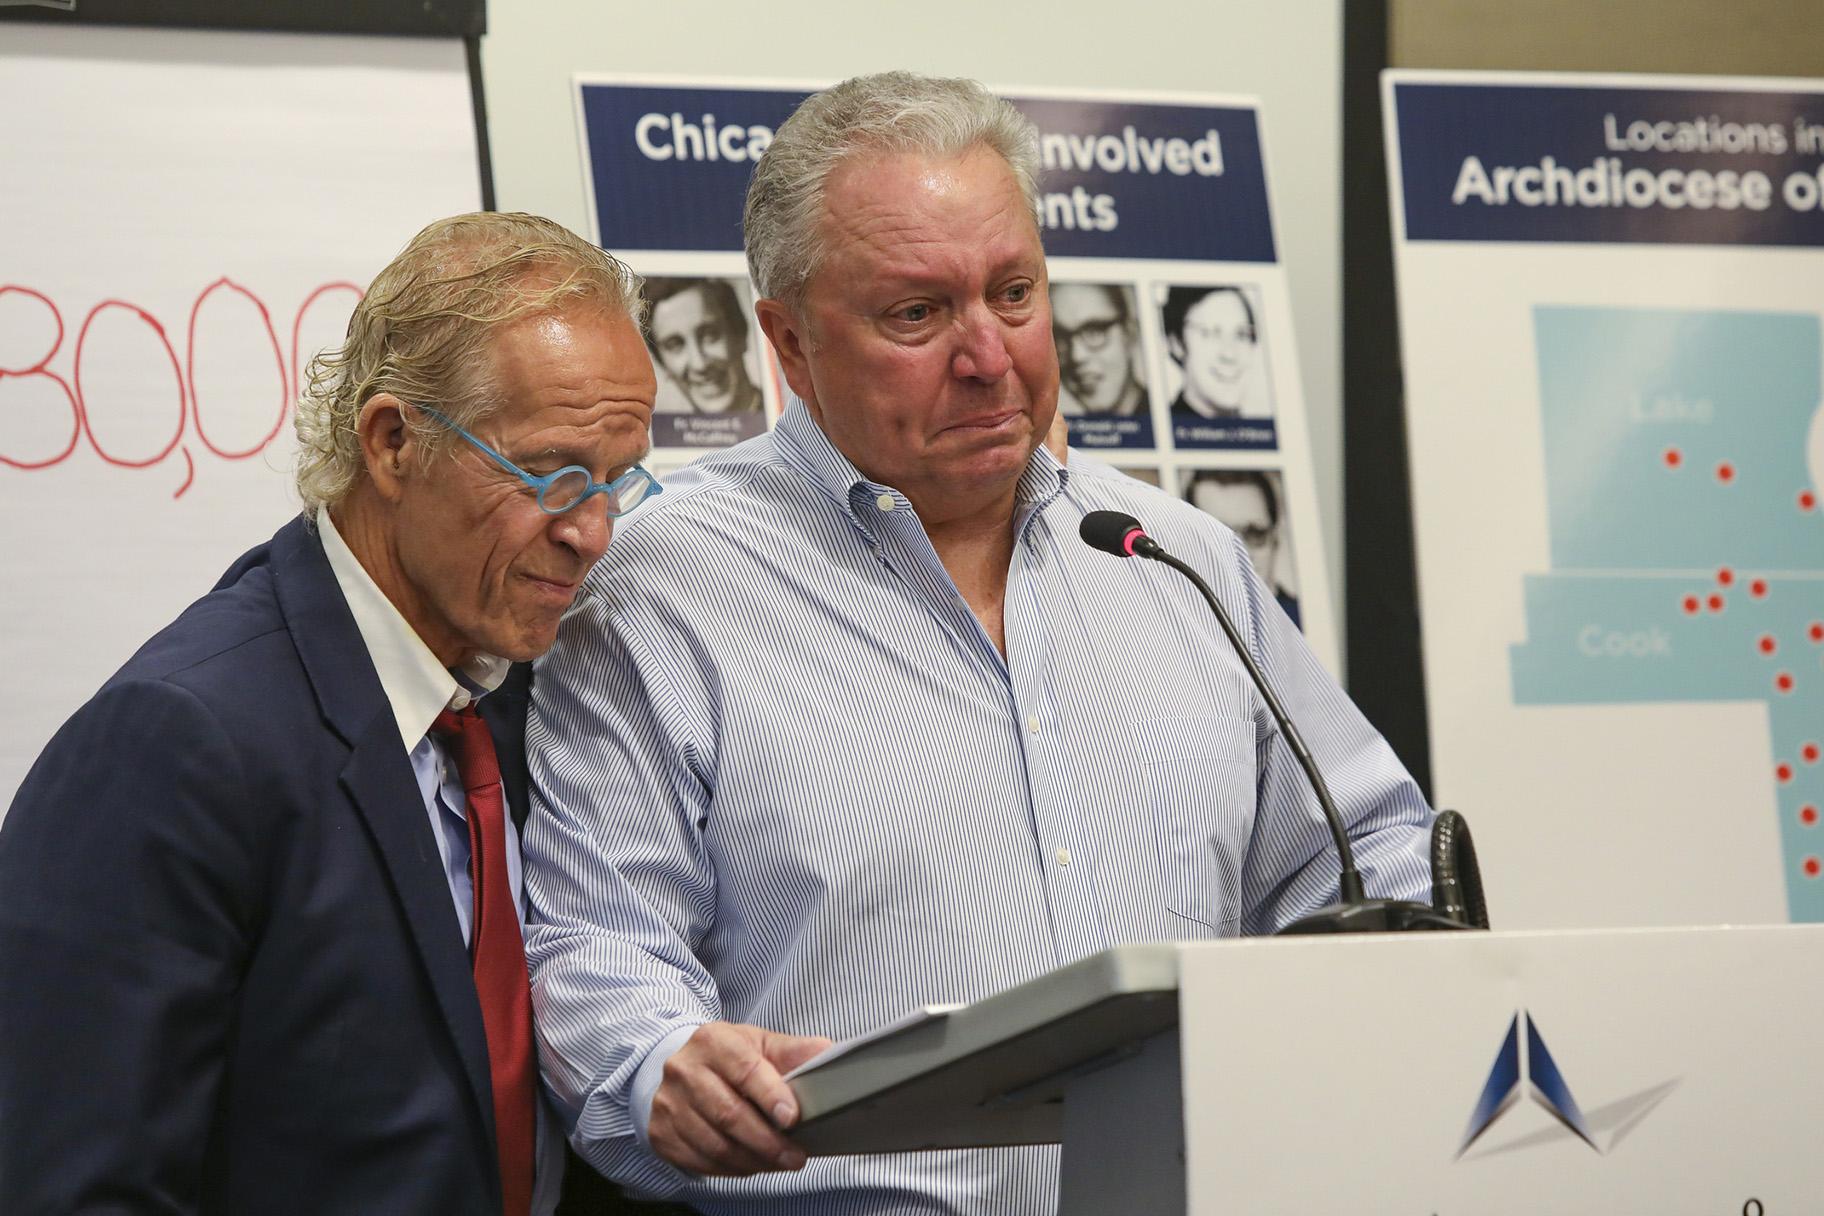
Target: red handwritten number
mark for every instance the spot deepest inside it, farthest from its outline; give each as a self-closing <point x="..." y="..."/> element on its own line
<point x="189" y="407"/>
<point x="297" y="326"/>
<point x="278" y="359"/>
<point x="88" y="414"/>
<point x="41" y="369"/>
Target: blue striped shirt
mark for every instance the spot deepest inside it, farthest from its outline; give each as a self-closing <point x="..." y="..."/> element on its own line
<point x="785" y="778"/>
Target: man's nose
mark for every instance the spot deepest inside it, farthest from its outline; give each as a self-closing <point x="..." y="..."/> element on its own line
<point x="585" y="528"/>
<point x="981" y="351"/>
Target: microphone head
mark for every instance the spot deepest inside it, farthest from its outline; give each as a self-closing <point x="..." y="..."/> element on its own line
<point x="1113" y="532"/>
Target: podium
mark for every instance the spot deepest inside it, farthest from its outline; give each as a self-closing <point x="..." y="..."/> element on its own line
<point x="1653" y="1070"/>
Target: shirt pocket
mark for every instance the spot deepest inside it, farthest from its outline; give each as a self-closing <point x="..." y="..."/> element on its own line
<point x="1198" y="779"/>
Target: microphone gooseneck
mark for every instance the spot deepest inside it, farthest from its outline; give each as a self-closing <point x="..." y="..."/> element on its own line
<point x="1120" y="534"/>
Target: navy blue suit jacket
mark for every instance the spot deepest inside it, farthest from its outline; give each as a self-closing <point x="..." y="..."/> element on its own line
<point x="231" y="977"/>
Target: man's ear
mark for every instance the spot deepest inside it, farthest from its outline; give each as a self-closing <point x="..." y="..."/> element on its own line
<point x="790" y="337"/>
<point x="388" y="447"/>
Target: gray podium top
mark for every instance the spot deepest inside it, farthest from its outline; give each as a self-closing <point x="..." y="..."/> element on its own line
<point x="990" y="1073"/>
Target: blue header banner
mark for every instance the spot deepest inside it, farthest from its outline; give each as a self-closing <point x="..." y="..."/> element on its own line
<point x="669" y="166"/>
<point x="1692" y="166"/>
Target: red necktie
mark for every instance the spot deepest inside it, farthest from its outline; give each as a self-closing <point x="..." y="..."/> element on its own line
<point x="499" y="955"/>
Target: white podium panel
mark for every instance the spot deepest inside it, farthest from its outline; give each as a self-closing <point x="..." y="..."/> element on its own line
<point x="1654" y="1071"/>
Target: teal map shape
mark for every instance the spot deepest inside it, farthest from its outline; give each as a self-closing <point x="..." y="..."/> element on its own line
<point x="1687" y="540"/>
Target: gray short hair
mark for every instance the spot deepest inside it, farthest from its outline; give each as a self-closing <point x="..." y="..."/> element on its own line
<point x="422" y="333"/>
<point x="888" y="112"/>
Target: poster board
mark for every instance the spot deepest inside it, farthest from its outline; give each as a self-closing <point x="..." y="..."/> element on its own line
<point x="1170" y="305"/>
<point x="1610" y="296"/>
<point x="190" y="215"/>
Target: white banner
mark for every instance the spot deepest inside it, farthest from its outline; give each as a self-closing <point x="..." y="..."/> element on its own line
<point x="190" y="216"/>
<point x="1610" y="297"/>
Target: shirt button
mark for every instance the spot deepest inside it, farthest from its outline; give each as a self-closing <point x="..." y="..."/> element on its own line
<point x="1063" y="857"/>
<point x="885" y="502"/>
<point x="1032" y="723"/>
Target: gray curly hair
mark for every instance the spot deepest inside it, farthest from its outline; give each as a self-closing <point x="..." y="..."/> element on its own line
<point x="887" y="112"/>
<point x="423" y="329"/>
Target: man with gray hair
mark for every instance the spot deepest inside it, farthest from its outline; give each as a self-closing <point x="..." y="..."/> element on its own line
<point x="262" y="921"/>
<point x="921" y="759"/>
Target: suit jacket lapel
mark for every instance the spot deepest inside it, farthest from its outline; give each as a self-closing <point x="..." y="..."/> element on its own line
<point x="378" y="780"/>
<point x="505" y="712"/>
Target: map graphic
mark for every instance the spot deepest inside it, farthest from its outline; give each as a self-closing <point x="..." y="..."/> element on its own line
<point x="1683" y="453"/>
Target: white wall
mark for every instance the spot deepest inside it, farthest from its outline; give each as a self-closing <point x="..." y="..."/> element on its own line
<point x="1288" y="54"/>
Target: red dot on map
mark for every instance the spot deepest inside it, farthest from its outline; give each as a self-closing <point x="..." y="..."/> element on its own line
<point x="1725" y="472"/>
<point x="1809" y="753"/>
<point x="1692" y="605"/>
<point x="1783" y="681"/>
<point x="1813" y="867"/>
<point x="1673" y="458"/>
<point x="1782" y="773"/>
<point x="1807" y="500"/>
<point x="1767" y="644"/>
<point x="1808" y="815"/>
<point x="1758" y="588"/>
<point x="1716" y="603"/>
<point x="1816" y="632"/>
<point x="1725" y="577"/>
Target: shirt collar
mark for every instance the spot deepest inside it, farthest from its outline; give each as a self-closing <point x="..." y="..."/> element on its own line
<point x="803" y="444"/>
<point x="417" y="686"/>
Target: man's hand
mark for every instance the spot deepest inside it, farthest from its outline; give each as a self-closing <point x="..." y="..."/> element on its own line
<point x="723" y="1102"/>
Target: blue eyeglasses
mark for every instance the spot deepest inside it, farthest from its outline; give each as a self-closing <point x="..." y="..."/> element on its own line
<point x="570" y="486"/>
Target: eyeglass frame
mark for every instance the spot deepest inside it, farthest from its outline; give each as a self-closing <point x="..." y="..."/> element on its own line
<point x="1095" y="335"/>
<point x="540" y="485"/>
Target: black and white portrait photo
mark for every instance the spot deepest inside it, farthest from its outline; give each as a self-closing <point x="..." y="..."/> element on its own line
<point x="708" y="362"/>
<point x="1252" y="503"/>
<point x="1101" y="365"/>
<point x="1222" y="395"/>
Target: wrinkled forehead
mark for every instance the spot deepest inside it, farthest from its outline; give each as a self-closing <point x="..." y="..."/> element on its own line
<point x="905" y="209"/>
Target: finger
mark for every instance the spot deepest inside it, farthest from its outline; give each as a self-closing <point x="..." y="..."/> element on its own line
<point x="682" y="1135"/>
<point x="765" y="1084"/>
<point x="721" y="1154"/>
<point x="788" y="1051"/>
<point x="757" y="1080"/>
<point x="731" y="1113"/>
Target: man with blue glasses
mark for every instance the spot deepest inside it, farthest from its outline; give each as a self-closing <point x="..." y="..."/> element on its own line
<point x="263" y="917"/>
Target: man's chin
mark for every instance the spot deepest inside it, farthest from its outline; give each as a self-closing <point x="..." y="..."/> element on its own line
<point x="527" y="645"/>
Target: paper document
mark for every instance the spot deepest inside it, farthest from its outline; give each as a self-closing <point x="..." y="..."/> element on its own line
<point x="905" y="1021"/>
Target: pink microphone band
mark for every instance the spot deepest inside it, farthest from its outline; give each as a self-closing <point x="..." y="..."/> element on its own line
<point x="1134" y="536"/>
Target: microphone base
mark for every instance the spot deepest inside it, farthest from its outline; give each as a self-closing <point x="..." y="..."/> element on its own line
<point x="1372" y="916"/>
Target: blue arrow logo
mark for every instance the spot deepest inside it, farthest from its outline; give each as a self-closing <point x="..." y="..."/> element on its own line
<point x="1524" y="1065"/>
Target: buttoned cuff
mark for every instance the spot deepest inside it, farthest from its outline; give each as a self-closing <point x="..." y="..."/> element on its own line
<point x="650" y="1076"/>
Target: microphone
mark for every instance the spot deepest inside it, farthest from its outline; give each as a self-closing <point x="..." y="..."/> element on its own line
<point x="1122" y="535"/>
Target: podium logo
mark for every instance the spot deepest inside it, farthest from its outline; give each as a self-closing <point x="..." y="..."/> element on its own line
<point x="1524" y="1067"/>
<point x="1525" y="1064"/>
